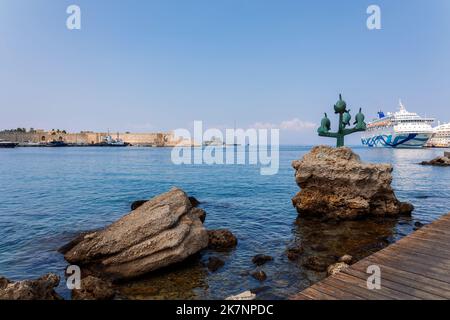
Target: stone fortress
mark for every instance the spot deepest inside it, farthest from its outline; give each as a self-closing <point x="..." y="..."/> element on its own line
<point x="158" y="139"/>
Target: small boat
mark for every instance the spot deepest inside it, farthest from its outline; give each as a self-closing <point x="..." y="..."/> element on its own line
<point x="31" y="144"/>
<point x="8" y="144"/>
<point x="214" y="142"/>
<point x="55" y="143"/>
<point x="108" y="141"/>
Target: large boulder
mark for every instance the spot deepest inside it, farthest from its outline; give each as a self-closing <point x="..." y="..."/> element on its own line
<point x="39" y="289"/>
<point x="336" y="184"/>
<point x="161" y="232"/>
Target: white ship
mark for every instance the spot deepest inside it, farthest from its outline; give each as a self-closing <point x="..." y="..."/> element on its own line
<point x="441" y="136"/>
<point x="400" y="129"/>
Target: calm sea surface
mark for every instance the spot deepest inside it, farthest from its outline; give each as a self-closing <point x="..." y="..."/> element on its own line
<point x="48" y="195"/>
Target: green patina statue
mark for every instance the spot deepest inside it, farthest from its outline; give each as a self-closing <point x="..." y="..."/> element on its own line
<point x="344" y="121"/>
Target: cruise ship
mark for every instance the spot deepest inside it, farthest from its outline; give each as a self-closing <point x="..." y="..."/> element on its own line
<point x="441" y="136"/>
<point x="400" y="129"/>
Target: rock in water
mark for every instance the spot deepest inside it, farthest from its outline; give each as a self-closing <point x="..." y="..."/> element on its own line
<point x="161" y="232"/>
<point x="336" y="184"/>
<point x="259" y="275"/>
<point x="221" y="239"/>
<point x="215" y="264"/>
<point x="93" y="288"/>
<point x="443" y="161"/>
<point x="40" y="289"/>
<point x="294" y="253"/>
<point x="261" y="259"/>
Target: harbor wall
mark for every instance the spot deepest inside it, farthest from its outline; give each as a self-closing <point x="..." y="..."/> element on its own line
<point x="146" y="139"/>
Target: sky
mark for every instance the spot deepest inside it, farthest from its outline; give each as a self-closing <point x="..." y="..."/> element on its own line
<point x="159" y="65"/>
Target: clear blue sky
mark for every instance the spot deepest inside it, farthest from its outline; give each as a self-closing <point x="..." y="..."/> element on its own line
<point x="160" y="65"/>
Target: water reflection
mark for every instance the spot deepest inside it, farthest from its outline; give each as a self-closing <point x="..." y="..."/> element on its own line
<point x="183" y="281"/>
<point x="330" y="240"/>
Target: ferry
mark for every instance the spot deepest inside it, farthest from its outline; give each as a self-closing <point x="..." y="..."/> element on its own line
<point x="400" y="129"/>
<point x="441" y="136"/>
<point x="8" y="144"/>
<point x="215" y="141"/>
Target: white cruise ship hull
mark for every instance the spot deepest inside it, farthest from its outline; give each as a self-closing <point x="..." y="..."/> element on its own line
<point x="396" y="140"/>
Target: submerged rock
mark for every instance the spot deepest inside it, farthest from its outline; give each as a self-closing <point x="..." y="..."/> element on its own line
<point x="337" y="267"/>
<point x="294" y="253"/>
<point x="215" y="264"/>
<point x="93" y="288"/>
<point x="161" y="232"/>
<point x="336" y="184"/>
<point x="261" y="259"/>
<point x="39" y="289"/>
<point x="221" y="239"/>
<point x="319" y="247"/>
<point x="259" y="275"/>
<point x="315" y="264"/>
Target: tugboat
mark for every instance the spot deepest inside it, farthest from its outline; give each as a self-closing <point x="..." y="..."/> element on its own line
<point x="56" y="143"/>
<point x="108" y="141"/>
<point x="8" y="144"/>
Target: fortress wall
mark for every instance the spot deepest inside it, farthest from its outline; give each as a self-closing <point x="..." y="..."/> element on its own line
<point x="160" y="139"/>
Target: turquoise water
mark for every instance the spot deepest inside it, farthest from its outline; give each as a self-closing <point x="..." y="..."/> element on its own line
<point x="48" y="195"/>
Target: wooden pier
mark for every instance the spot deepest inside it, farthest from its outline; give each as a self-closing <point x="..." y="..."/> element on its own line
<point x="416" y="267"/>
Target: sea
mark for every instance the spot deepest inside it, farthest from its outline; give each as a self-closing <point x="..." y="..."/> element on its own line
<point x="49" y="195"/>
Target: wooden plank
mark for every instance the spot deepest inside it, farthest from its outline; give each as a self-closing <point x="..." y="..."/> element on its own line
<point x="360" y="286"/>
<point x="400" y="287"/>
<point x="424" y="249"/>
<point x="312" y="293"/>
<point x="301" y="296"/>
<point x="428" y="267"/>
<point x="352" y="290"/>
<point x="336" y="292"/>
<point x="422" y="254"/>
<point x="411" y="266"/>
<point x="425" y="259"/>
<point x="415" y="267"/>
<point x="421" y="281"/>
<point x="441" y="243"/>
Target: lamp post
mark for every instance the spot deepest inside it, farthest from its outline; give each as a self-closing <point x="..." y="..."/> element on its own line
<point x="344" y="120"/>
